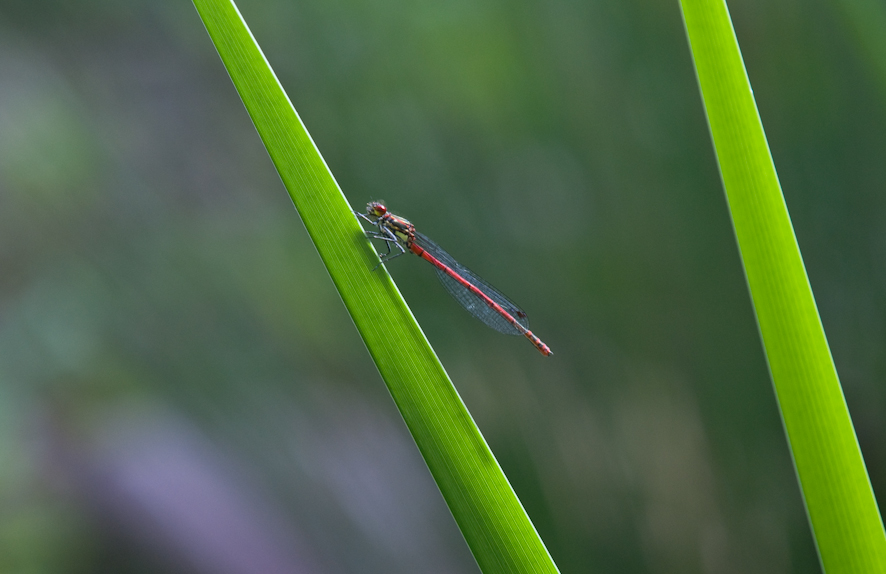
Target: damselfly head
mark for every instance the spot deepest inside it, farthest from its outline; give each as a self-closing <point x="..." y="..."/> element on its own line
<point x="375" y="209"/>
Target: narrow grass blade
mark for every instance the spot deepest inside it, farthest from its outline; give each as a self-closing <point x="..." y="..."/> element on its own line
<point x="485" y="507"/>
<point x="839" y="500"/>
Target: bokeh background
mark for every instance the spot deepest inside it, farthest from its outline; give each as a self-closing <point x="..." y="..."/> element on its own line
<point x="181" y="389"/>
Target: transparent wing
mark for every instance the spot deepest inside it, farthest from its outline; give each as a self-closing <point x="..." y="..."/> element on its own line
<point x="470" y="301"/>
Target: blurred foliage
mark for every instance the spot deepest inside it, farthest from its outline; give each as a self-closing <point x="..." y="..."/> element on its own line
<point x="181" y="389"/>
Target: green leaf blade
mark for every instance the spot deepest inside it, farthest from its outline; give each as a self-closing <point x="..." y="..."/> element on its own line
<point x="482" y="501"/>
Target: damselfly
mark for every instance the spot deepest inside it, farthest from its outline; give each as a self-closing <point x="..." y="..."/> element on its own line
<point x="481" y="299"/>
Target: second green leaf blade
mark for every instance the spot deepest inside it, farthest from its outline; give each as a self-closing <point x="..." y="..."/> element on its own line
<point x="845" y="520"/>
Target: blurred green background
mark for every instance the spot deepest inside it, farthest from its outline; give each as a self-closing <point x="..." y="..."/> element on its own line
<point x="181" y="389"/>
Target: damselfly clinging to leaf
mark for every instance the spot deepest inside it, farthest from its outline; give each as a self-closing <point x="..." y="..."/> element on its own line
<point x="481" y="299"/>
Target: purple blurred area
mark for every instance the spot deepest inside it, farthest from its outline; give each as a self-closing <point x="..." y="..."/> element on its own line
<point x="152" y="484"/>
<point x="157" y="482"/>
<point x="181" y="389"/>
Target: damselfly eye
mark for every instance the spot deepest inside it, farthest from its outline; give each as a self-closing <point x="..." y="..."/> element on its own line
<point x="376" y="209"/>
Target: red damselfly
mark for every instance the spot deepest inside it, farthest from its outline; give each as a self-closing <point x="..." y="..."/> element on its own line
<point x="481" y="299"/>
